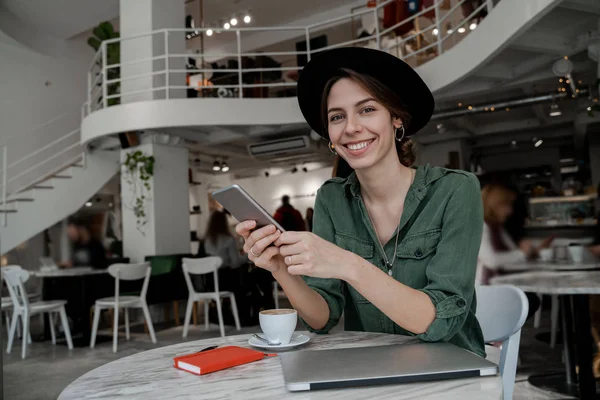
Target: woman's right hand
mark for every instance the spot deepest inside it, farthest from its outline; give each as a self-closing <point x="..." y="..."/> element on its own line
<point x="257" y="244"/>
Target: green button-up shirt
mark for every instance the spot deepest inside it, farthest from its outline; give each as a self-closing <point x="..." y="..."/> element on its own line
<point x="440" y="234"/>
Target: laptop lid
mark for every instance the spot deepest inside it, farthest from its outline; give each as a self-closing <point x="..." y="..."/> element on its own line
<point x="379" y="365"/>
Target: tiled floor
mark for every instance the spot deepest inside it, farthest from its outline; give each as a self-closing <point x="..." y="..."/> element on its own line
<point x="54" y="367"/>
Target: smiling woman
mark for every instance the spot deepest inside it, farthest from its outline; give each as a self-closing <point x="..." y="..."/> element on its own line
<point x="394" y="247"/>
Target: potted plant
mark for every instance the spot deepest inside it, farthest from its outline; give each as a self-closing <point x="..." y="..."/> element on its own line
<point x="139" y="169"/>
<point x="102" y="32"/>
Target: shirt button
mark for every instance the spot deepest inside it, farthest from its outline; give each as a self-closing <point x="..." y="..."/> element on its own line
<point x="418" y="253"/>
<point x="461" y="302"/>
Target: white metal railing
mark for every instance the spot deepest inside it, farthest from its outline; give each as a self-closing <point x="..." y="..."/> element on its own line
<point x="446" y="29"/>
<point x="22" y="167"/>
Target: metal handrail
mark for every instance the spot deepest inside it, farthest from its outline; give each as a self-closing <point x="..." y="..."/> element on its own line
<point x="439" y="44"/>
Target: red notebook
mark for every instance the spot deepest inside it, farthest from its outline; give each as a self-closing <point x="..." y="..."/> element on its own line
<point x="215" y="360"/>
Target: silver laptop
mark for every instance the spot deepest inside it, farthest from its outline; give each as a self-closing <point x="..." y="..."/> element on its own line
<point x="380" y="365"/>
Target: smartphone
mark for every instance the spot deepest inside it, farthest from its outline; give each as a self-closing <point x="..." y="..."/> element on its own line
<point x="243" y="207"/>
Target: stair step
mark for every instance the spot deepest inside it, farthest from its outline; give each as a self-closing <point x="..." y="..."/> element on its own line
<point x="43" y="187"/>
<point x="62" y="177"/>
<point x="7" y="211"/>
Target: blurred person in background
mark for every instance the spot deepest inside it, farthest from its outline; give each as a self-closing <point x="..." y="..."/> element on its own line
<point x="497" y="247"/>
<point x="595" y="247"/>
<point x="288" y="217"/>
<point x="86" y="250"/>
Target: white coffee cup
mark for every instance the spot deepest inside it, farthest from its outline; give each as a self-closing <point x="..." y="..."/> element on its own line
<point x="576" y="253"/>
<point x="547" y="254"/>
<point x="278" y="325"/>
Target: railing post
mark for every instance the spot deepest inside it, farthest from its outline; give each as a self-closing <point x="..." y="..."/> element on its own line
<point x="239" y="59"/>
<point x="377" y="35"/>
<point x="438" y="26"/>
<point x="167" y="64"/>
<point x="307" y="33"/>
<point x="4" y="181"/>
<point x="89" y="92"/>
<point x="104" y="76"/>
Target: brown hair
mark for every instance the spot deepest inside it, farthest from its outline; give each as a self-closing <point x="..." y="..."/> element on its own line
<point x="493" y="195"/>
<point x="217" y="226"/>
<point x="390" y="100"/>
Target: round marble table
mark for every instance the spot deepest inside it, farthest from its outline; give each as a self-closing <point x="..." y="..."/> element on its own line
<point x="550" y="266"/>
<point x="573" y="289"/>
<point x="151" y="375"/>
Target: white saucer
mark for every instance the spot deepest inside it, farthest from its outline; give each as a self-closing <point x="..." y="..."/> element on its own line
<point x="298" y="339"/>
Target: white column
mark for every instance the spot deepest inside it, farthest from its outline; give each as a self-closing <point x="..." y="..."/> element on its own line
<point x="166" y="206"/>
<point x="141" y="17"/>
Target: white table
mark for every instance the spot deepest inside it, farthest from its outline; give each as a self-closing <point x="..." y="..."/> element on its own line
<point x="150" y="375"/>
<point x="573" y="289"/>
<point x="551" y="266"/>
<point x="67" y="272"/>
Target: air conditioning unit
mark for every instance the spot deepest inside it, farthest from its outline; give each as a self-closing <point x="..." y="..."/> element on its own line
<point x="279" y="147"/>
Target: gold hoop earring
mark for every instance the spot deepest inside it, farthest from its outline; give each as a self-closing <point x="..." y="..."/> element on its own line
<point x="396" y="133"/>
<point x="331" y="148"/>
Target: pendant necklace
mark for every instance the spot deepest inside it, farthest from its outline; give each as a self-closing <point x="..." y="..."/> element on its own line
<point x="389" y="264"/>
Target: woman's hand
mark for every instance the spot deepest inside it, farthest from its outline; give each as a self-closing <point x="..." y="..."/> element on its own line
<point x="257" y="244"/>
<point x="307" y="254"/>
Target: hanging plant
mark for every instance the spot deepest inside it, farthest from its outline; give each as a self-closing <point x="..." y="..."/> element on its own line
<point x="139" y="168"/>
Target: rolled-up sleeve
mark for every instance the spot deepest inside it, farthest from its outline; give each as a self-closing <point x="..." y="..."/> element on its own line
<point x="451" y="272"/>
<point x="330" y="289"/>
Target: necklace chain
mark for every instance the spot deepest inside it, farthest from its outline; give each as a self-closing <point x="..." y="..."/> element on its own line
<point x="389" y="264"/>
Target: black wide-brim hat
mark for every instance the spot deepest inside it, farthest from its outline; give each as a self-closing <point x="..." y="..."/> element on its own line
<point x="394" y="73"/>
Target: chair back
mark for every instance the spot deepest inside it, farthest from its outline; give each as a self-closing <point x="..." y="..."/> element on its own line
<point x="501" y="312"/>
<point x="15" y="277"/>
<point x="201" y="266"/>
<point x="131" y="272"/>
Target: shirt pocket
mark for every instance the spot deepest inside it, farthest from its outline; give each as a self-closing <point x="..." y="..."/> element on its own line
<point x="414" y="254"/>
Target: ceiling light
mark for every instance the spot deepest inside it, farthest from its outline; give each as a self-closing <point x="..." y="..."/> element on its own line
<point x="513" y="143"/>
<point x="561" y="80"/>
<point x="226" y="25"/>
<point x="435" y="32"/>
<point x="538" y="143"/>
<point x="493" y="109"/>
<point x="189" y="36"/>
<point x="450" y="31"/>
<point x="233" y="21"/>
<point x="589" y="108"/>
<point x="555" y="110"/>
<point x="460" y="104"/>
<point x="88" y="204"/>
<point x="224" y="167"/>
<point x="470" y="107"/>
<point x="267" y="174"/>
<point x="473" y="26"/>
<point x="247" y="19"/>
<point x="209" y="32"/>
<point x="507" y="109"/>
<point x="110" y="204"/>
<point x="461" y="30"/>
<point x="305" y="169"/>
<point x="294" y="170"/>
<point x="216" y="166"/>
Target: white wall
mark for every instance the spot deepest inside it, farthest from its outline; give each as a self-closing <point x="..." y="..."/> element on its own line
<point x="301" y="187"/>
<point x="437" y="154"/>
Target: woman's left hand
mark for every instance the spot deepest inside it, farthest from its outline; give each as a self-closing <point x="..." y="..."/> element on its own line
<point x="307" y="254"/>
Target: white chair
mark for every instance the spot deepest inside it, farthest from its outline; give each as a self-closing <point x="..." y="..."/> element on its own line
<point x="127" y="272"/>
<point x="15" y="276"/>
<point x="202" y="266"/>
<point x="501" y="311"/>
<point x="553" y="318"/>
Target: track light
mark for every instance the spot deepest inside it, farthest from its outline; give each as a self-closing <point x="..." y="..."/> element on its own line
<point x="294" y="170"/>
<point x="224" y="167"/>
<point x="435" y="32"/>
<point x="209" y="32"/>
<point x="233" y="21"/>
<point x="538" y="143"/>
<point x="216" y="166"/>
<point x="267" y="174"/>
<point x="461" y="30"/>
<point x="305" y="169"/>
<point x="247" y="19"/>
<point x="473" y="26"/>
<point x="88" y="204"/>
<point x="226" y="25"/>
